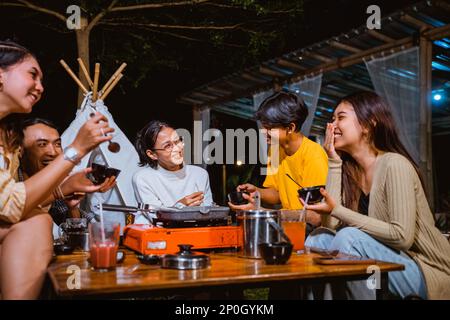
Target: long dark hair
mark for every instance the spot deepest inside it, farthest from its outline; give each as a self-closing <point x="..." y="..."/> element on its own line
<point x="146" y="139"/>
<point x="374" y="115"/>
<point x="11" y="135"/>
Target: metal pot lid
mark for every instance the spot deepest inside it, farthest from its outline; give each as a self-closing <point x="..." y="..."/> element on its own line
<point x="250" y="214"/>
<point x="185" y="259"/>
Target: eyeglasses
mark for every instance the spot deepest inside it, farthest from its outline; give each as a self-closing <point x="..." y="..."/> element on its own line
<point x="171" y="144"/>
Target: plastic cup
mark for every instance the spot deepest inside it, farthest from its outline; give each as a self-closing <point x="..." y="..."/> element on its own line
<point x="103" y="245"/>
<point x="294" y="225"/>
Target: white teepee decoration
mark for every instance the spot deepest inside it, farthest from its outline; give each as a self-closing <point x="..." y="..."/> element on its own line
<point x="126" y="160"/>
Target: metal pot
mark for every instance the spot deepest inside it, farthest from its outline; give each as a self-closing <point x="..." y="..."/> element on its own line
<point x="185" y="259"/>
<point x="256" y="229"/>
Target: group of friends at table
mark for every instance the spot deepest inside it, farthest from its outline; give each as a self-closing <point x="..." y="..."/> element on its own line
<point x="375" y="204"/>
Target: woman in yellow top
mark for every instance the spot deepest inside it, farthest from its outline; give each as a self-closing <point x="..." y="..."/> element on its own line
<point x="25" y="229"/>
<point x="282" y="116"/>
<point x="375" y="205"/>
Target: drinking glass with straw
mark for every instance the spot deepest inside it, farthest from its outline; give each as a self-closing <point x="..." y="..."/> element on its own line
<point x="303" y="213"/>
<point x="102" y="224"/>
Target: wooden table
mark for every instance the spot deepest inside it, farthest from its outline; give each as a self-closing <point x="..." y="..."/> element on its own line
<point x="227" y="272"/>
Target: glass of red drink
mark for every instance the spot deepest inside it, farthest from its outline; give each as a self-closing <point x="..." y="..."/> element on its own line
<point x="103" y="245"/>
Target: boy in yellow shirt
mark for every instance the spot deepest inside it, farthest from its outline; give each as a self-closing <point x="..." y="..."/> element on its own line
<point x="282" y="115"/>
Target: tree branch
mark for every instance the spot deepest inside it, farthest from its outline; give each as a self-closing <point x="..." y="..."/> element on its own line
<point x="10" y="4"/>
<point x="175" y="35"/>
<point x="173" y="26"/>
<point x="101" y="15"/>
<point x="180" y="36"/>
<point x="32" y="6"/>
<point x="158" y="5"/>
<point x="227" y="6"/>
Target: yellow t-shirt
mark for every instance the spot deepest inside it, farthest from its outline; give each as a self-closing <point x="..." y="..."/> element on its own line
<point x="308" y="166"/>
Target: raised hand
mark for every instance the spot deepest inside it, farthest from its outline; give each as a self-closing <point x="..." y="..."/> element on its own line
<point x="328" y="144"/>
<point x="92" y="133"/>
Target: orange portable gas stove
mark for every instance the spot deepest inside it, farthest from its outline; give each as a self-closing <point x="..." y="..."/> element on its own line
<point x="202" y="227"/>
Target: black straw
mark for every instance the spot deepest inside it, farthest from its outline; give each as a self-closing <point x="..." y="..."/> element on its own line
<point x="294" y="180"/>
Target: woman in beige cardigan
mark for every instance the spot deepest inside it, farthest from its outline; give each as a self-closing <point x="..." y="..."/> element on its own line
<point x="375" y="202"/>
<point x="25" y="228"/>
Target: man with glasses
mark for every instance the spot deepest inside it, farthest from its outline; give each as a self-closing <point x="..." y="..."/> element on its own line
<point x="165" y="180"/>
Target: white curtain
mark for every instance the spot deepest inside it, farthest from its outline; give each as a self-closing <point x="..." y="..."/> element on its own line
<point x="396" y="79"/>
<point x="309" y="90"/>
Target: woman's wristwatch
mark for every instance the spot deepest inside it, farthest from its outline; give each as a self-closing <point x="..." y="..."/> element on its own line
<point x="71" y="154"/>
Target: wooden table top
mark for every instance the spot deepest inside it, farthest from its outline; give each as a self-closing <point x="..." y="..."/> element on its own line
<point x="226" y="269"/>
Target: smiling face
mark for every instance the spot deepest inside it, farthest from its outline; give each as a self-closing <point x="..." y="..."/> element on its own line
<point x="278" y="135"/>
<point x="348" y="132"/>
<point x="168" y="149"/>
<point x="42" y="144"/>
<point x="21" y="85"/>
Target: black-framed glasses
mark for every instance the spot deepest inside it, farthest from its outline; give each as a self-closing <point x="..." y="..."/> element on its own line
<point x="171" y="144"/>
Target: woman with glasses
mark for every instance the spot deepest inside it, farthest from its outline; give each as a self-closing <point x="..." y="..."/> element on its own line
<point x="164" y="180"/>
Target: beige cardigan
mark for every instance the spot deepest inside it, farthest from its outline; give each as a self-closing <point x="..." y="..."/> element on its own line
<point x="12" y="193"/>
<point x="399" y="217"/>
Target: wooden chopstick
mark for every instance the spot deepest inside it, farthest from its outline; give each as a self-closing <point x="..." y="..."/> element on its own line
<point x="74" y="77"/>
<point x="85" y="72"/>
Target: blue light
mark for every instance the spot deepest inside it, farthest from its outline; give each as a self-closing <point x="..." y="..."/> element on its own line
<point x="437" y="97"/>
<point x="439" y="66"/>
<point x="442" y="43"/>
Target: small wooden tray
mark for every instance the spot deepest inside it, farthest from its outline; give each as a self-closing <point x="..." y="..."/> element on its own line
<point x="332" y="260"/>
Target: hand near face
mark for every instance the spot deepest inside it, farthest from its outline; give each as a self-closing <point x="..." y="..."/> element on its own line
<point x="324" y="207"/>
<point x="328" y="144"/>
<point x="192" y="200"/>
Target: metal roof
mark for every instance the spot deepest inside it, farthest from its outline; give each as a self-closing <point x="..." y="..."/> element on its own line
<point x="340" y="59"/>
